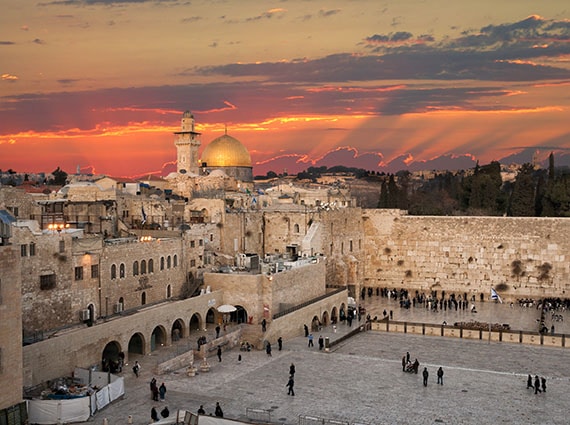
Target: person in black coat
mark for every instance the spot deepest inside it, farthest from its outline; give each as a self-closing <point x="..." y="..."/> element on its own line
<point x="218" y="412"/>
<point x="426" y="375"/>
<point x="154" y="414"/>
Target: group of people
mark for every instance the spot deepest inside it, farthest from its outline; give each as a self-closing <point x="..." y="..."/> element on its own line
<point x="412" y="367"/>
<point x="156" y="391"/>
<point x="539" y="385"/>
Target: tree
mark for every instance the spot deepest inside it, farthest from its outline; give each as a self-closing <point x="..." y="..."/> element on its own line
<point x="59" y="177"/>
<point x="522" y="200"/>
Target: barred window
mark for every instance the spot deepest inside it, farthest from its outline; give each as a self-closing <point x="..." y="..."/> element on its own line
<point x="79" y="273"/>
<point x="94" y="271"/>
<point x="47" y="281"/>
<point x="23" y="250"/>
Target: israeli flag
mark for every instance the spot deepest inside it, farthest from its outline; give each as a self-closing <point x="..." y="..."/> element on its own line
<point x="495" y="296"/>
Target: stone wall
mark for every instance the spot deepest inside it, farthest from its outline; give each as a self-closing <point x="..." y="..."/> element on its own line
<point x="83" y="346"/>
<point x="10" y="327"/>
<point x="264" y="295"/>
<point x="519" y="257"/>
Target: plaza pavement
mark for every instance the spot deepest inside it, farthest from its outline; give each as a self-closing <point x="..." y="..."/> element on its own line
<point x="361" y="380"/>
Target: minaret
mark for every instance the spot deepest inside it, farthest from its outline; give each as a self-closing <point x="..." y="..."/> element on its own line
<point x="187" y="144"/>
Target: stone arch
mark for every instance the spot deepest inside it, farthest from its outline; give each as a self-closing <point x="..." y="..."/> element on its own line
<point x="178" y="330"/>
<point x="158" y="338"/>
<point x="110" y="357"/>
<point x="334" y="315"/>
<point x="325" y="318"/>
<point x="195" y="323"/>
<point x="136" y="344"/>
<point x="211" y="316"/>
<point x="239" y="316"/>
<point x="315" y="323"/>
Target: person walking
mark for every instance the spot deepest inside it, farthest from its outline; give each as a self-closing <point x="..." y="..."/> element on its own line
<point x="407" y="357"/>
<point x="219" y="353"/>
<point x="529" y="382"/>
<point x="290" y="385"/>
<point x="280" y="343"/>
<point x="543" y="381"/>
<point x="218" y="412"/>
<point x="136" y="368"/>
<point x="537" y="384"/>
<point x="403" y="363"/>
<point x="292" y="370"/>
<point x="218" y="331"/>
<point x="268" y="348"/>
<point x="440" y="375"/>
<point x="426" y="375"/>
<point x="310" y="340"/>
<point x="162" y="391"/>
<point x="321" y="342"/>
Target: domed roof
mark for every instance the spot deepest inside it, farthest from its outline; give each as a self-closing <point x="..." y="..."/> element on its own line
<point x="226" y="151"/>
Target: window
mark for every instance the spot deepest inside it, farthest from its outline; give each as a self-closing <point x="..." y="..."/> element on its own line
<point x="350" y="246"/>
<point x="201" y="242"/>
<point x="168" y="262"/>
<point x="125" y="213"/>
<point x="168" y="292"/>
<point x="175" y="261"/>
<point x="143" y="298"/>
<point x="192" y="263"/>
<point x="161" y="263"/>
<point x="296" y="228"/>
<point x="122" y="271"/>
<point x="32" y="249"/>
<point x="95" y="271"/>
<point x="61" y="246"/>
<point x="113" y="271"/>
<point x="151" y="266"/>
<point x="143" y="267"/>
<point x="135" y="268"/>
<point x="211" y="237"/>
<point x="192" y="244"/>
<point x="79" y="273"/>
<point x="23" y="250"/>
<point x="47" y="281"/>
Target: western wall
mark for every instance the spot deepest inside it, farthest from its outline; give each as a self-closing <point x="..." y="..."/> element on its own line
<point x="519" y="257"/>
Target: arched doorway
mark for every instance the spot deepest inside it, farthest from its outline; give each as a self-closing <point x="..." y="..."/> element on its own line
<point x="315" y="324"/>
<point x="239" y="316"/>
<point x="136" y="344"/>
<point x="178" y="331"/>
<point x="334" y="316"/>
<point x="195" y="323"/>
<point x="91" y="319"/>
<point x="211" y="316"/>
<point x="110" y="359"/>
<point x="158" y="338"/>
<point x="143" y="298"/>
<point x="325" y="319"/>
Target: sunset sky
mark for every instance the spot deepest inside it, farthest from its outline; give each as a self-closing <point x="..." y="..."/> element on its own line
<point x="379" y="85"/>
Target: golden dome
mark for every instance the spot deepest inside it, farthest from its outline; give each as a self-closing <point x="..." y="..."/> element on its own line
<point x="226" y="151"/>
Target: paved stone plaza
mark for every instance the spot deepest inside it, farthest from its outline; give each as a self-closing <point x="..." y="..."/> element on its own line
<point x="361" y="379"/>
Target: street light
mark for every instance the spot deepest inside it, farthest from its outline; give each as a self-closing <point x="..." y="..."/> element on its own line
<point x="57" y="227"/>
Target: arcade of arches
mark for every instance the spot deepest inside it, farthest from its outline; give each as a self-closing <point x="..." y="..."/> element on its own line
<point x="140" y="344"/>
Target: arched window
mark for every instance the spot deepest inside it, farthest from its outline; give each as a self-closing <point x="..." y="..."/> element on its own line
<point x="143" y="298"/>
<point x="122" y="271"/>
<point x="136" y="268"/>
<point x="168" y="262"/>
<point x="113" y="271"/>
<point x="168" y="292"/>
<point x="143" y="266"/>
<point x="151" y="266"/>
<point x="296" y="228"/>
<point x="175" y="261"/>
<point x="161" y="263"/>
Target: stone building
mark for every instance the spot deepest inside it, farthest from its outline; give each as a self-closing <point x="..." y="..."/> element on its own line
<point x="12" y="410"/>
